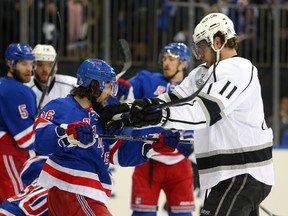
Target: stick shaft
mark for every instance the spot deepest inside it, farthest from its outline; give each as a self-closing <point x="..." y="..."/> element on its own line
<point x="52" y="71"/>
<point x="266" y="211"/>
<point x="147" y="139"/>
<point x="125" y="52"/>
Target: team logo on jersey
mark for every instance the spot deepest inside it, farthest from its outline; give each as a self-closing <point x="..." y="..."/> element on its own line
<point x="160" y="90"/>
<point x="200" y="77"/>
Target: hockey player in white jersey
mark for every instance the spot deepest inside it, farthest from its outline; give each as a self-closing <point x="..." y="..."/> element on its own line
<point x="60" y="84"/>
<point x="233" y="145"/>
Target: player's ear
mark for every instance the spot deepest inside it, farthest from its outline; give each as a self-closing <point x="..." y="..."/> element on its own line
<point x="217" y="42"/>
<point x="183" y="65"/>
<point x="9" y="63"/>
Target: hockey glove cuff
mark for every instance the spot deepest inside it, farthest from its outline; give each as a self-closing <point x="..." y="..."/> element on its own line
<point x="125" y="91"/>
<point x="141" y="114"/>
<point x="185" y="149"/>
<point x="75" y="134"/>
<point x="168" y="142"/>
<point x="109" y="111"/>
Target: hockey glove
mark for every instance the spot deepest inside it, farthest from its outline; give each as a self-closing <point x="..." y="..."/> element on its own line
<point x="75" y="134"/>
<point x="185" y="149"/>
<point x="125" y="91"/>
<point x="168" y="142"/>
<point x="109" y="111"/>
<point x="141" y="115"/>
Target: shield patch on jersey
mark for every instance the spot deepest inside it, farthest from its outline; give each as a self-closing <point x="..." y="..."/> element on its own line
<point x="201" y="76"/>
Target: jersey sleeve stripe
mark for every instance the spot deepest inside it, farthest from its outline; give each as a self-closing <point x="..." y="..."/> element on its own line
<point x="25" y="138"/>
<point x="41" y="123"/>
<point x="114" y="152"/>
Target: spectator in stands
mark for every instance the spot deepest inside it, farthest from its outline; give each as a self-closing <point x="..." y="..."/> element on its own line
<point x="283" y="121"/>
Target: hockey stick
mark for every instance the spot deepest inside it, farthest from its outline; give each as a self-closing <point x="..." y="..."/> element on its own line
<point x="267" y="211"/>
<point x="124" y="50"/>
<point x="171" y="103"/>
<point x="144" y="138"/>
<point x="186" y="99"/>
<point x="52" y="71"/>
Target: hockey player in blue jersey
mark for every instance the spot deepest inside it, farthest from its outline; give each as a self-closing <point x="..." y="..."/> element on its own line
<point x="17" y="112"/>
<point x="161" y="173"/>
<point x="32" y="200"/>
<point x="76" y="172"/>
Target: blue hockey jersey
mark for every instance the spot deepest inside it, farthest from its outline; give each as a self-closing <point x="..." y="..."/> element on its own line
<point x="74" y="169"/>
<point x="33" y="199"/>
<point x="17" y="112"/>
<point x="147" y="85"/>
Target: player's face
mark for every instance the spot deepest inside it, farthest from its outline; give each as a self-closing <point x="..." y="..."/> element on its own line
<point x="42" y="70"/>
<point x="23" y="70"/>
<point x="170" y="64"/>
<point x="106" y="93"/>
<point x="205" y="53"/>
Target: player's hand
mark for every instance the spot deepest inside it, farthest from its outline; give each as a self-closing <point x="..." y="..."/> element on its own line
<point x="75" y="134"/>
<point x="141" y="115"/>
<point x="185" y="149"/>
<point x="111" y="110"/>
<point x="168" y="142"/>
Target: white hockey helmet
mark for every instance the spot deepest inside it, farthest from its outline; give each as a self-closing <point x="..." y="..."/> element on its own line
<point x="210" y="25"/>
<point x="44" y="52"/>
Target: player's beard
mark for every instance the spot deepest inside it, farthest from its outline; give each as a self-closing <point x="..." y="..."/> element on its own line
<point x="96" y="105"/>
<point x="17" y="76"/>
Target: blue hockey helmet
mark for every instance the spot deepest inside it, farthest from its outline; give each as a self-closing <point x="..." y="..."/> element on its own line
<point x="19" y="51"/>
<point x="95" y="69"/>
<point x="179" y="50"/>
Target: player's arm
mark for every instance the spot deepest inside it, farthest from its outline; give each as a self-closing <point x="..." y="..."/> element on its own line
<point x="134" y="153"/>
<point x="19" y="112"/>
<point x="214" y="101"/>
<point x="56" y="134"/>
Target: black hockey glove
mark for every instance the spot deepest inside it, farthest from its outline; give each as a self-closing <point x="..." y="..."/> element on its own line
<point x="109" y="111"/>
<point x="142" y="115"/>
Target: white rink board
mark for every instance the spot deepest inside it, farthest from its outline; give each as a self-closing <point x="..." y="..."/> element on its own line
<point x="276" y="202"/>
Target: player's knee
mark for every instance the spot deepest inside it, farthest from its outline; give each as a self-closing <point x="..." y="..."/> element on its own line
<point x="136" y="213"/>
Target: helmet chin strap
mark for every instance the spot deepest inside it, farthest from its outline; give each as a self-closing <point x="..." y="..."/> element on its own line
<point x="218" y="50"/>
<point x="177" y="71"/>
<point x="171" y="77"/>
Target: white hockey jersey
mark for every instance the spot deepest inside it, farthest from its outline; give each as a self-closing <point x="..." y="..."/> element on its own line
<point x="231" y="136"/>
<point x="60" y="87"/>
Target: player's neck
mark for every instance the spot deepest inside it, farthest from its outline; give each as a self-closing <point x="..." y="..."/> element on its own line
<point x="228" y="53"/>
<point x="177" y="78"/>
<point x="84" y="102"/>
<point x="10" y="74"/>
